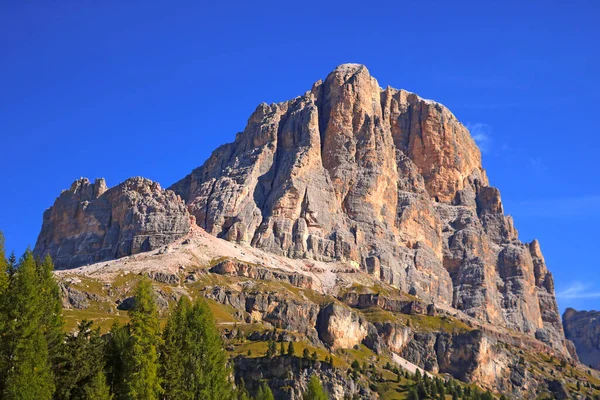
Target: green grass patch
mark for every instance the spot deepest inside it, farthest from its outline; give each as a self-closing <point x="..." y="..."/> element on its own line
<point x="222" y="313"/>
<point x="103" y="320"/>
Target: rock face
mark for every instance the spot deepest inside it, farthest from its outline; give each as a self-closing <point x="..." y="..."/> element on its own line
<point x="583" y="328"/>
<point x="340" y="327"/>
<point x="386" y="181"/>
<point x="288" y="381"/>
<point x="90" y="223"/>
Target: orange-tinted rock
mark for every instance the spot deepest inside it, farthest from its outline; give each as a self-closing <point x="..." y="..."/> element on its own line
<point x="90" y="223"/>
<point x="386" y="181"/>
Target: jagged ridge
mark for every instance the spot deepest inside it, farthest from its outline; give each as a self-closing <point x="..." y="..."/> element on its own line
<point x="382" y="179"/>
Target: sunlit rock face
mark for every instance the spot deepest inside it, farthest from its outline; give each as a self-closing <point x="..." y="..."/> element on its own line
<point x="90" y="223"/>
<point x="386" y="181"/>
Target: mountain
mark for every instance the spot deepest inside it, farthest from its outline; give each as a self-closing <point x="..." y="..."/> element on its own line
<point x="90" y="223"/>
<point x="583" y="329"/>
<point x="386" y="181"/>
<point x="349" y="216"/>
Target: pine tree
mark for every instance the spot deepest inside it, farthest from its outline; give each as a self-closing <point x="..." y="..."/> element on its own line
<point x="51" y="309"/>
<point x="142" y="364"/>
<point x="4" y="281"/>
<point x="97" y="389"/>
<point x="12" y="263"/>
<point x="242" y="392"/>
<point x="26" y="370"/>
<point x="487" y="396"/>
<point x="281" y="349"/>
<point x="4" y="267"/>
<point x="80" y="366"/>
<point x="211" y="359"/>
<point x="315" y="390"/>
<point x="433" y="391"/>
<point x="116" y="354"/>
<point x="172" y="368"/>
<point x="418" y="376"/>
<point x="412" y="394"/>
<point x="264" y="392"/>
<point x="305" y="354"/>
<point x="271" y="349"/>
<point x="194" y="362"/>
<point x="442" y="391"/>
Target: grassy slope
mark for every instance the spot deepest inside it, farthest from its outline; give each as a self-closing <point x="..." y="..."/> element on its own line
<point x="104" y="312"/>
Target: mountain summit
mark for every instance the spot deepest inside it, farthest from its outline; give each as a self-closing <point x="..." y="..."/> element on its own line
<point x="379" y="183"/>
<point x="386" y="181"/>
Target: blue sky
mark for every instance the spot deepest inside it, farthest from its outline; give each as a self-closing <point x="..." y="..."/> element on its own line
<point x="115" y="89"/>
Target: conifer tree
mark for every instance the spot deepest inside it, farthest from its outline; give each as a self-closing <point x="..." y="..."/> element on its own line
<point x="418" y="376"/>
<point x="210" y="359"/>
<point x="4" y="266"/>
<point x="26" y="370"/>
<point x="142" y="363"/>
<point x="172" y="366"/>
<point x="281" y="349"/>
<point x="242" y="392"/>
<point x="305" y="354"/>
<point x="97" y="389"/>
<point x="80" y="366"/>
<point x="291" y="350"/>
<point x="315" y="390"/>
<point x="271" y="349"/>
<point x="51" y="311"/>
<point x="264" y="392"/>
<point x="194" y="351"/>
<point x="412" y="394"/>
<point x="4" y="276"/>
<point x="116" y="354"/>
<point x="12" y="263"/>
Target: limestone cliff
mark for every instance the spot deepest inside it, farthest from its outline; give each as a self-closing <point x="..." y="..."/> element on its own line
<point x="583" y="328"/>
<point x="386" y="181"/>
<point x="90" y="223"/>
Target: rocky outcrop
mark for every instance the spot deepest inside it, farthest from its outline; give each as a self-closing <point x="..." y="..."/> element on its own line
<point x="472" y="356"/>
<point x="240" y="268"/>
<point x="75" y="298"/>
<point x="340" y="327"/>
<point x="583" y="329"/>
<point x="275" y="308"/>
<point x="385" y="181"/>
<point x="288" y="378"/>
<point x="90" y="223"/>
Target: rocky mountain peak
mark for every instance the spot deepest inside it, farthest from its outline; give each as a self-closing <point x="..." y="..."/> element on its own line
<point x="380" y="180"/>
<point x="386" y="181"/>
<point x="90" y="223"/>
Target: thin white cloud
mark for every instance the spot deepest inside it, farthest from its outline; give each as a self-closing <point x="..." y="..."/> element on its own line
<point x="538" y="164"/>
<point x="578" y="290"/>
<point x="482" y="134"/>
